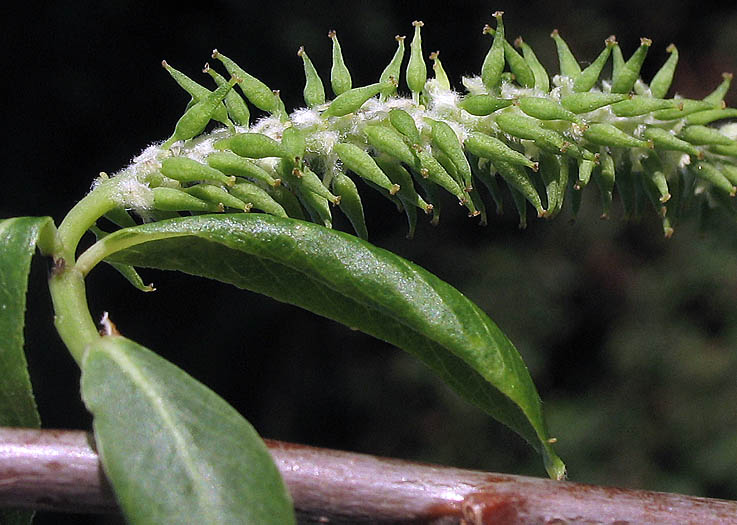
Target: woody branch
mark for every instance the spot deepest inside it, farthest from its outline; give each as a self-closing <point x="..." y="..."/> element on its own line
<point x="59" y="470"/>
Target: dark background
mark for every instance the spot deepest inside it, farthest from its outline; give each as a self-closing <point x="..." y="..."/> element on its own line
<point x="631" y="339"/>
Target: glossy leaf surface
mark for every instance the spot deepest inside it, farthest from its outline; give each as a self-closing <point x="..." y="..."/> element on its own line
<point x="173" y="450"/>
<point x="18" y="238"/>
<point x="364" y="287"/>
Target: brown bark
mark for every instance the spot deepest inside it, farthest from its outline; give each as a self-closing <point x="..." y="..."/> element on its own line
<point x="59" y="470"/>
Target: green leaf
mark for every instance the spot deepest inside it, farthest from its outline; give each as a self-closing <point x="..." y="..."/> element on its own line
<point x="18" y="238"/>
<point x="364" y="287"/>
<point x="173" y="450"/>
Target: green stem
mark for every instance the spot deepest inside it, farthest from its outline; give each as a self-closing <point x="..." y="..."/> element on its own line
<point x="83" y="215"/>
<point x="71" y="314"/>
<point x="72" y="317"/>
<point x="115" y="243"/>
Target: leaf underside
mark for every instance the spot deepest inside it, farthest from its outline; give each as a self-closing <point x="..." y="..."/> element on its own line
<point x="174" y="451"/>
<point x="18" y="238"/>
<point x="367" y="288"/>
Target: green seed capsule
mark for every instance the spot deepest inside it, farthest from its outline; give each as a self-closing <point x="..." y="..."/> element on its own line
<point x="728" y="151"/>
<point x="482" y="172"/>
<point x="398" y="175"/>
<point x="568" y="64"/>
<point x="656" y="175"/>
<point x="388" y="140"/>
<point x="196" y="118"/>
<point x="317" y="206"/>
<point x="405" y="124"/>
<point x="393" y="70"/>
<point x="702" y="135"/>
<point x="546" y="109"/>
<point x="547" y="139"/>
<point x="197" y="92"/>
<point x="730" y="172"/>
<point x="170" y="199"/>
<point x="411" y="213"/>
<point x="234" y="103"/>
<point x="588" y="78"/>
<point x="258" y="93"/>
<point x="281" y="111"/>
<point x="605" y="178"/>
<point x="312" y="182"/>
<point x="258" y="198"/>
<point x="550" y="173"/>
<point x="517" y="65"/>
<point x="662" y="80"/>
<point x="217" y="196"/>
<point x="253" y="146"/>
<point x="491" y="69"/>
<point x="416" y="68"/>
<point x="585" y="168"/>
<point x="482" y="105"/>
<point x="709" y="173"/>
<point x="626" y="187"/>
<point x="576" y="198"/>
<point x="605" y="134"/>
<point x="440" y="75"/>
<point x="711" y="115"/>
<point x="350" y="203"/>
<point x="586" y="102"/>
<point x="542" y="81"/>
<point x="293" y="142"/>
<point x="432" y="170"/>
<point x="495" y="150"/>
<point x="352" y="100"/>
<point x="231" y="164"/>
<point x="287" y="200"/>
<point x="477" y="203"/>
<point x="517" y="177"/>
<point x="625" y="75"/>
<point x="447" y="141"/>
<point x="716" y="97"/>
<point x="361" y="163"/>
<point x="641" y="105"/>
<point x="340" y="77"/>
<point x="314" y="92"/>
<point x="408" y="197"/>
<point x="184" y="169"/>
<point x="685" y="108"/>
<point x="666" y="140"/>
<point x="520" y="204"/>
<point x="448" y="166"/>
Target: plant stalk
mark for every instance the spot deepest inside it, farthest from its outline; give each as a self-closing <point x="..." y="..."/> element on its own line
<point x="59" y="471"/>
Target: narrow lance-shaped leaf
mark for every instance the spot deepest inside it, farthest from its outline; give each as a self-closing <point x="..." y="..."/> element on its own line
<point x="18" y="238"/>
<point x="172" y="449"/>
<point x="343" y="278"/>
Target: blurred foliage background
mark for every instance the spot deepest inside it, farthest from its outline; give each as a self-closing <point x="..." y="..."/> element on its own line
<point x="631" y="338"/>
